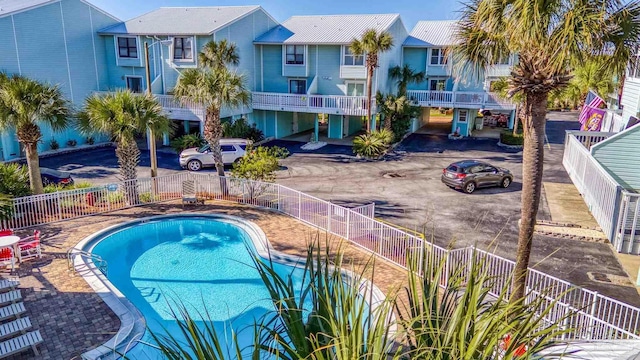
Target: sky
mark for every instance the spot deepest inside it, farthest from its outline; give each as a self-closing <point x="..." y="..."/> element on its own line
<point x="411" y="10"/>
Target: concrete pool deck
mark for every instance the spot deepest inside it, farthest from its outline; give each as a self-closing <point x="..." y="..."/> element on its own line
<point x="73" y="319"/>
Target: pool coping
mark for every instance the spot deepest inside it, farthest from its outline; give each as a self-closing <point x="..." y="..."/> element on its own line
<point x="132" y="322"/>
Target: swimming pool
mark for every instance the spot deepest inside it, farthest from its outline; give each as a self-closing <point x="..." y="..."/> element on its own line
<point x="205" y="262"/>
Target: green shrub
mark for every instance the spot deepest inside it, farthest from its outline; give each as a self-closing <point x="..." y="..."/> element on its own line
<point x="6" y="207"/>
<point x="115" y="197"/>
<point x="259" y="164"/>
<point x="186" y="142"/>
<point x="51" y="188"/>
<point x="90" y="140"/>
<point x="386" y="136"/>
<point x="370" y="146"/>
<point x="53" y="144"/>
<point x="147" y="197"/>
<point x="72" y="143"/>
<point x="14" y="180"/>
<point x="507" y="138"/>
<point x="242" y="130"/>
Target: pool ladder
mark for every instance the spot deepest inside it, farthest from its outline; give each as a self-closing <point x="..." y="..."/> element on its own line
<point x="98" y="261"/>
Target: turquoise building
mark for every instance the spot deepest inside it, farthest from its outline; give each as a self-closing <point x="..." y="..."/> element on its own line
<point x="304" y="69"/>
<point x="54" y="41"/>
<point x="427" y="49"/>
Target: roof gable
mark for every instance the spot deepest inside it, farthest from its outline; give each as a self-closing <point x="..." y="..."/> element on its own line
<point x="326" y="29"/>
<point x="181" y="20"/>
<point x="432" y="34"/>
<point x="8" y="7"/>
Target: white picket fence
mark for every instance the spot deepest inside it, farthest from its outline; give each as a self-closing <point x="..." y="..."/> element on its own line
<point x="595" y="317"/>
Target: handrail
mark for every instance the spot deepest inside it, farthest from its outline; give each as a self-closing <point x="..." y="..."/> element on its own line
<point x="100" y="263"/>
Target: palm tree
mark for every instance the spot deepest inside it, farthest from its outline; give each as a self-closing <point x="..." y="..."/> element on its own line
<point x="122" y="115"/>
<point x="588" y="75"/>
<point x="405" y="75"/>
<point x="547" y="35"/>
<point x="25" y="105"/>
<point x="214" y="86"/>
<point x="392" y="107"/>
<point x="219" y="54"/>
<point x="371" y="44"/>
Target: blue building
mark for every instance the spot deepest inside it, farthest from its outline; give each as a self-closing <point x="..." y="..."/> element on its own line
<point x="427" y="49"/>
<point x="175" y="36"/>
<point x="54" y="41"/>
<point x="304" y="68"/>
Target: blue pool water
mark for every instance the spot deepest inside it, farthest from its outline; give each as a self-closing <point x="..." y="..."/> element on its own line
<point x="202" y="262"/>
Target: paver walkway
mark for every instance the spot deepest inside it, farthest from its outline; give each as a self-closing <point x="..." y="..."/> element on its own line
<point x="73" y="319"/>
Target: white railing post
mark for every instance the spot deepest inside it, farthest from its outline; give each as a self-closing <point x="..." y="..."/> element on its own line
<point x="299" y="205"/>
<point x="447" y="266"/>
<point x="58" y="205"/>
<point x="329" y="205"/>
<point x="592" y="315"/>
<point x="348" y="223"/>
<point x="279" y="207"/>
<point x="244" y="190"/>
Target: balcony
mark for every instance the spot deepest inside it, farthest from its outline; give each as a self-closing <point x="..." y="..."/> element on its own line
<point x="459" y="99"/>
<point x="319" y="104"/>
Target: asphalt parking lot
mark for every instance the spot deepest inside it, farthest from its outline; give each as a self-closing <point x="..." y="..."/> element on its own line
<point x="407" y="190"/>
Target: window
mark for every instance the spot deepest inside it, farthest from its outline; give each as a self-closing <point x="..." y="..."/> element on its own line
<point x="134" y="83"/>
<point x="437" y="84"/>
<point x="355" y="89"/>
<point x="227" y="148"/>
<point x="295" y="54"/>
<point x="182" y="49"/>
<point x="462" y="116"/>
<point x="352" y="60"/>
<point x="127" y="47"/>
<point x="297" y="86"/>
<point x="437" y="57"/>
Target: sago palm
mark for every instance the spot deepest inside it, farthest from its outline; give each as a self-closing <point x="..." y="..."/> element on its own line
<point x="547" y="35"/>
<point x="370" y="45"/>
<point x="405" y="75"/>
<point x="213" y="89"/>
<point x="25" y="105"/>
<point x="122" y="115"/>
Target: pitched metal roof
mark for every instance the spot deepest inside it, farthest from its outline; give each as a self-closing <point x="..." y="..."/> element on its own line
<point x="13" y="6"/>
<point x="326" y="29"/>
<point x="181" y="20"/>
<point x="432" y="33"/>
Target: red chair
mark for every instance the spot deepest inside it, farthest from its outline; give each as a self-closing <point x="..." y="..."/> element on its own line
<point x="7" y="258"/>
<point x="6" y="232"/>
<point x="30" y="247"/>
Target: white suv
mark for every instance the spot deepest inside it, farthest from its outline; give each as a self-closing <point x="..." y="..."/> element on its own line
<point x="195" y="159"/>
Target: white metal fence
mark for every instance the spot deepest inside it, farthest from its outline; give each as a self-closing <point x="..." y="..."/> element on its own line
<point x="595" y="317"/>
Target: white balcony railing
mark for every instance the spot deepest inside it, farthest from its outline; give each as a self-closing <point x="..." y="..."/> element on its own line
<point x="467" y="99"/>
<point x="320" y="104"/>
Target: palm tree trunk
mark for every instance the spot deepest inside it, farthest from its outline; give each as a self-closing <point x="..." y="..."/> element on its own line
<point x="33" y="164"/>
<point x="212" y="134"/>
<point x="369" y="96"/>
<point x="128" y="156"/>
<point x="533" y="159"/>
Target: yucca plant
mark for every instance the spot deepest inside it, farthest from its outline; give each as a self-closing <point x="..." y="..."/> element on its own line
<point x="327" y="316"/>
<point x="463" y="320"/>
<point x="370" y="146"/>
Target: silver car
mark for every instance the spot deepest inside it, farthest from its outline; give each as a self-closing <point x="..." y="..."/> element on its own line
<point x="195" y="159"/>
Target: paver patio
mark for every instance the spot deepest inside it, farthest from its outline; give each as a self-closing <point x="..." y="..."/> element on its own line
<point x="73" y="319"/>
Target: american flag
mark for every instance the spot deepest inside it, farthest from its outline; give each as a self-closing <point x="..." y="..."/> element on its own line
<point x="592" y="101"/>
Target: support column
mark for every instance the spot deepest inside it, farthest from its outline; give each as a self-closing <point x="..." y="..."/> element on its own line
<point x="512" y="119"/>
<point x="165" y="139"/>
<point x="185" y="124"/>
<point x="316" y="129"/>
<point x="202" y="128"/>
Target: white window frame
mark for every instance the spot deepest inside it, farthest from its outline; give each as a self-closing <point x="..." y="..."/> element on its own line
<point x="363" y="83"/>
<point x="304" y="54"/>
<point x="173" y="49"/>
<point x="305" y="86"/>
<point x="442" y="59"/>
<point x="117" y="46"/>
<point x="345" y="48"/>
<point x="126" y="82"/>
<point x="466" y="116"/>
<point x="443" y="79"/>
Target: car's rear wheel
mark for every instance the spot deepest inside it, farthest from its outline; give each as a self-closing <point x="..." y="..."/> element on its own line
<point x="469" y="187"/>
<point x="45" y="181"/>
<point x="505" y="182"/>
<point x="194" y="165"/>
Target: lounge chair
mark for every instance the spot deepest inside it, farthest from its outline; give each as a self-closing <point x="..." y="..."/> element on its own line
<point x="7" y="258"/>
<point x="189" y="194"/>
<point x="10" y="297"/>
<point x="21" y="343"/>
<point x="12" y="311"/>
<point x="8" y="285"/>
<point x="29" y="247"/>
<point x="15" y="327"/>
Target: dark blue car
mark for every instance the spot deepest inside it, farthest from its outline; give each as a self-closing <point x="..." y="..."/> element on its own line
<point x="50" y="176"/>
